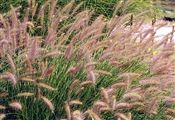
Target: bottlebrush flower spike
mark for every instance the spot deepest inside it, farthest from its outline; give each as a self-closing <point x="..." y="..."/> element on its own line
<point x="10" y="77"/>
<point x="114" y="102"/>
<point x="91" y="65"/>
<point x="105" y="94"/>
<point x="170" y="111"/>
<point x="75" y="102"/>
<point x="33" y="51"/>
<point x="122" y="116"/>
<point x="67" y="8"/>
<point x="14" y="16"/>
<point x="149" y="82"/>
<point x="100" y="104"/>
<point x="12" y="64"/>
<point x="16" y="105"/>
<point x="43" y="85"/>
<point x="48" y="103"/>
<point x="2" y="116"/>
<point x="137" y="104"/>
<point x="68" y="111"/>
<point x="48" y="71"/>
<point x="4" y="94"/>
<point x="77" y="115"/>
<point x="51" y="36"/>
<point x="151" y="91"/>
<point x="74" y="84"/>
<point x="53" y="54"/>
<point x="152" y="107"/>
<point x="169" y="100"/>
<point x="131" y="96"/>
<point x="25" y="94"/>
<point x="69" y="51"/>
<point x="119" y="85"/>
<point x="27" y="79"/>
<point x="123" y="106"/>
<point x="73" y="70"/>
<point x="91" y="76"/>
<point x="93" y="115"/>
<point x="103" y="72"/>
<point x="114" y="62"/>
<point x="169" y="117"/>
<point x="2" y="108"/>
<point x="85" y="83"/>
<point x="129" y="75"/>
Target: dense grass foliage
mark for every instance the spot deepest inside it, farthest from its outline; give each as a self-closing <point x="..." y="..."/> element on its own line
<point x="68" y="63"/>
<point x="105" y="7"/>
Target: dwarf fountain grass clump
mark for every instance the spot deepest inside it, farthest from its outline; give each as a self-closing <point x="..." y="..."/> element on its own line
<point x="82" y="67"/>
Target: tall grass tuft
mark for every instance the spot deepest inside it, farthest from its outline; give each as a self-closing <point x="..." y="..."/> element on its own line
<point x="82" y="67"/>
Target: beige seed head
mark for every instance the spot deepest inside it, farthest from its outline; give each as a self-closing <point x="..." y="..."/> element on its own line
<point x="68" y="111"/>
<point x="25" y="94"/>
<point x="2" y="107"/>
<point x="122" y="116"/>
<point x="43" y="85"/>
<point x="75" y="102"/>
<point x="48" y="103"/>
<point x="16" y="105"/>
<point x="2" y="116"/>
